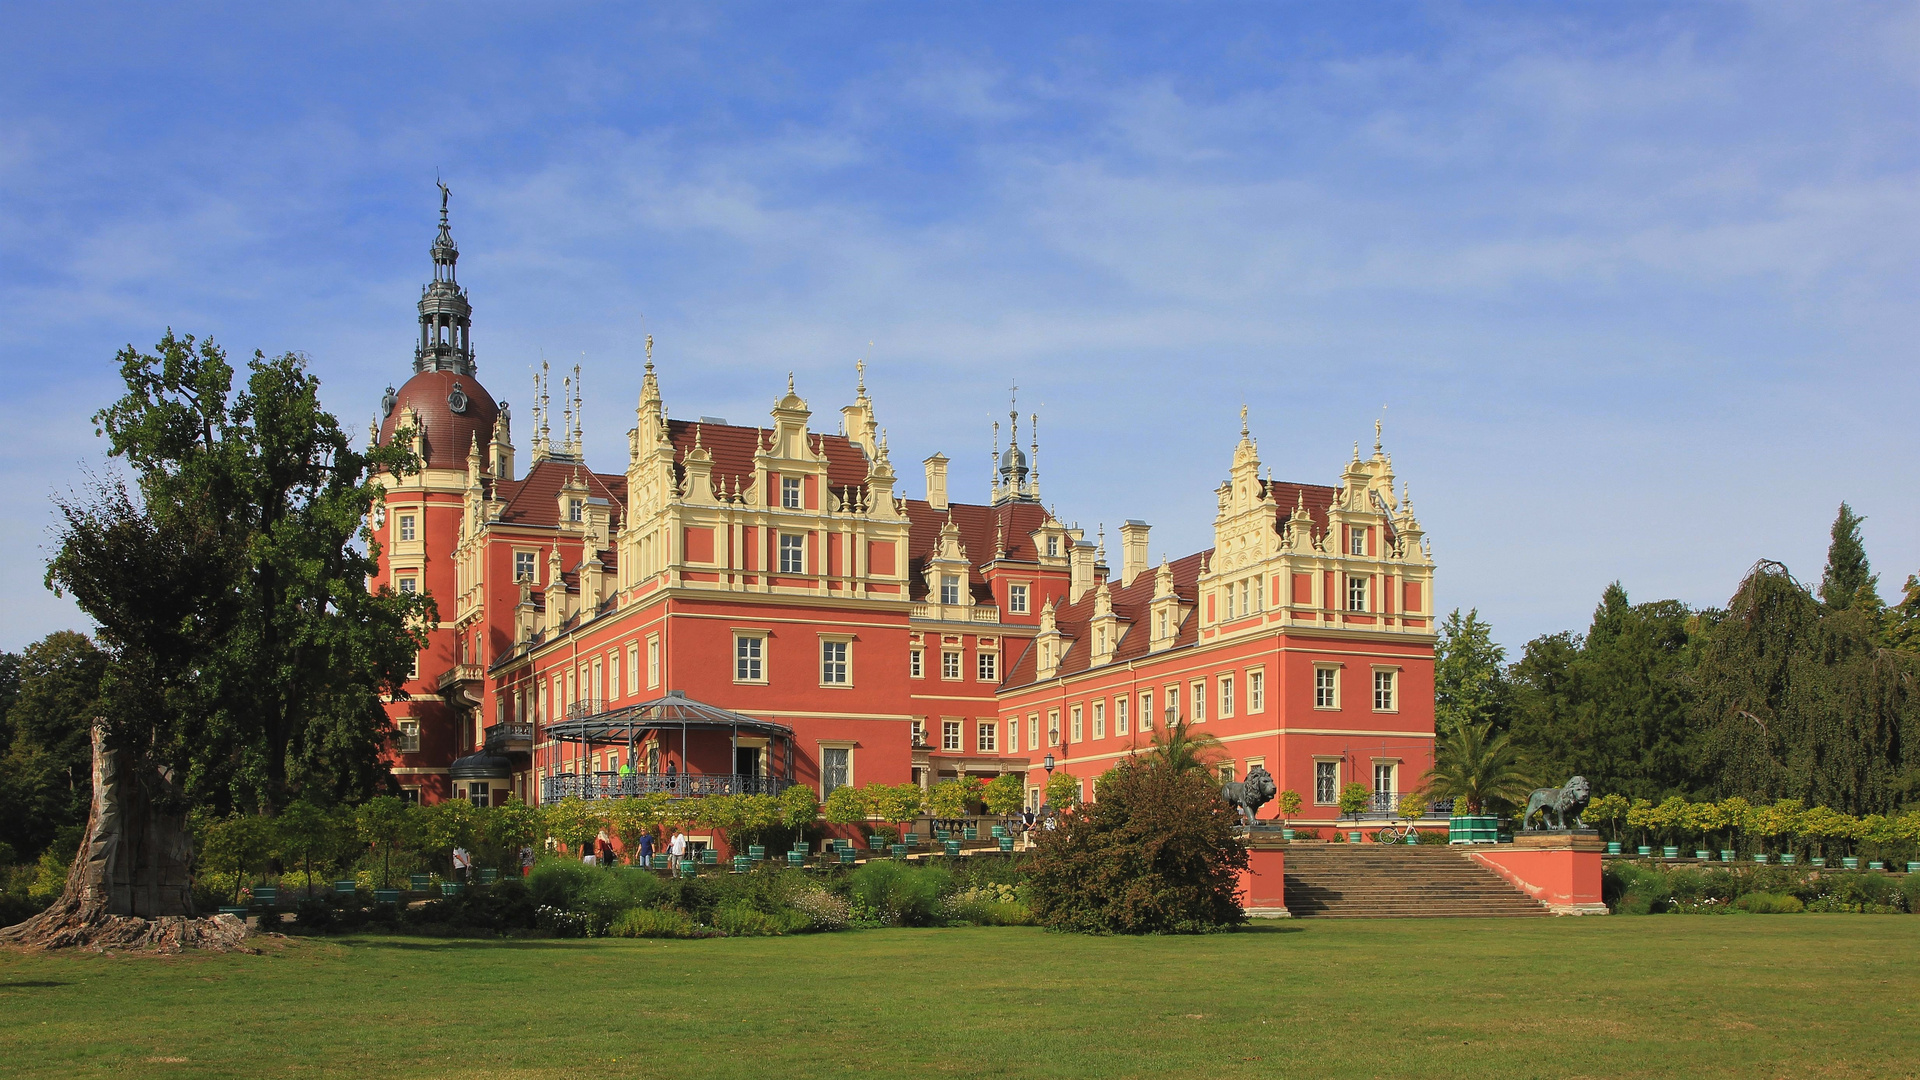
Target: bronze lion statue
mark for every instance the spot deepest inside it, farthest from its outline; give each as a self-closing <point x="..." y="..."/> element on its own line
<point x="1556" y="805"/>
<point x="1249" y="795"/>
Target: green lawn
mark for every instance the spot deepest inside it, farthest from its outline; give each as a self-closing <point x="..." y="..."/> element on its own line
<point x="1758" y="996"/>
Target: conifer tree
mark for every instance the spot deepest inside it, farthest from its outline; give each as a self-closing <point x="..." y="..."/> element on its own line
<point x="1469" y="678"/>
<point x="1848" y="578"/>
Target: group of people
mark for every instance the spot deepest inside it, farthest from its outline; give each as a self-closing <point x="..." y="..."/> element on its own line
<point x="601" y="853"/>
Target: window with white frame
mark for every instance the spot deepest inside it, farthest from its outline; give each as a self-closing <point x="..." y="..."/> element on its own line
<point x="1146" y="710"/>
<point x="1017" y="599"/>
<point x="1226" y="696"/>
<point x="414" y="671"/>
<point x="950" y="735"/>
<point x="633" y="667"/>
<point x="793" y="554"/>
<point x="1326" y="783"/>
<point x="1383" y="786"/>
<point x="1173" y="701"/>
<point x="1356" y="592"/>
<point x="836" y="768"/>
<point x="1099" y="719"/>
<point x="790" y="493"/>
<point x="1053" y="727"/>
<point x="950" y="664"/>
<point x="576" y="509"/>
<point x="834" y="669"/>
<point x="987" y="738"/>
<point x="1198" y="705"/>
<point x="1226" y="772"/>
<point x="1357" y="540"/>
<point x="407" y="527"/>
<point x="919" y="731"/>
<point x="613" y="676"/>
<point x="1256" y="691"/>
<point x="1163" y="625"/>
<point x="1079" y="724"/>
<point x="523" y="564"/>
<point x="1053" y="547"/>
<point x="1033" y="731"/>
<point x="989" y="667"/>
<point x="409" y="586"/>
<point x="1326" y="688"/>
<point x="406" y="737"/>
<point x="749" y="658"/>
<point x="1120" y="715"/>
<point x="916" y="663"/>
<point x="1013" y="735"/>
<point x="950" y="588"/>
<point x="653" y="661"/>
<point x="1383" y="691"/>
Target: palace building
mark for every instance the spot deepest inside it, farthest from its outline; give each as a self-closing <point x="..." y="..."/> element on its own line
<point x="747" y="606"/>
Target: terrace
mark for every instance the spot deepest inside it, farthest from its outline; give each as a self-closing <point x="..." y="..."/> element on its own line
<point x="759" y="751"/>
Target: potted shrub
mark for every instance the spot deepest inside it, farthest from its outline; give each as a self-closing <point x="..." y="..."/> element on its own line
<point x="1735" y="811"/>
<point x="1640" y="818"/>
<point x="1289" y="803"/>
<point x="1670" y="819"/>
<point x="1705" y="819"/>
<point x="1609" y="810"/>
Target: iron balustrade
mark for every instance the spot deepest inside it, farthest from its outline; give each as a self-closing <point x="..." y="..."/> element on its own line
<point x="612" y="785"/>
<point x="586" y="707"/>
<point x="517" y="735"/>
<point x="1384" y="806"/>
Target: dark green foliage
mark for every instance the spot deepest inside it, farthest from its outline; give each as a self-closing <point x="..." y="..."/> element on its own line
<point x="46" y="744"/>
<point x="1478" y="768"/>
<point x="899" y="894"/>
<point x="1469" y="674"/>
<point x="1631" y="888"/>
<point x="246" y="654"/>
<point x="1799" y="701"/>
<point x="1848" y="578"/>
<point x="1612" y="706"/>
<point x="503" y="907"/>
<point x="1156" y="853"/>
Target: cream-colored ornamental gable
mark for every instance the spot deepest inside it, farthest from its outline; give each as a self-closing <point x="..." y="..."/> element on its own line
<point x="1105" y="627"/>
<point x="949" y="591"/>
<point x="1049" y="645"/>
<point x="1165" y="612"/>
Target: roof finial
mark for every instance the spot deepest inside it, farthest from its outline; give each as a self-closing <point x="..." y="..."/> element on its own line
<point x="860" y="366"/>
<point x="1243" y="419"/>
<point x="649" y="352"/>
<point x="444" y="192"/>
<point x="1376" y="433"/>
<point x="789" y="382"/>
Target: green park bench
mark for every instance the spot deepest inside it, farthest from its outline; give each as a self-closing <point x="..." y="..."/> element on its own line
<point x="266" y="895"/>
<point x="345" y="888"/>
<point x="419" y="882"/>
<point x="709" y="857"/>
<point x="386" y="896"/>
<point x="238" y="912"/>
<point x="663" y="862"/>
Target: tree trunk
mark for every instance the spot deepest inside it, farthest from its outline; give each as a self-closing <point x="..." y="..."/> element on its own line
<point x="131" y="882"/>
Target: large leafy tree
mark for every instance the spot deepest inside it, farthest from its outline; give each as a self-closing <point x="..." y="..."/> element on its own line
<point x="247" y="658"/>
<point x="1469" y="677"/>
<point x="1612" y="705"/>
<point x="1849" y="578"/>
<point x="1801" y="700"/>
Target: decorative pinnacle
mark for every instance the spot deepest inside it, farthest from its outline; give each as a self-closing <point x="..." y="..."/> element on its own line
<point x="1376" y="436"/>
<point x="1243" y="419"/>
<point x="789" y="382"/>
<point x="860" y="366"/>
<point x="649" y="352"/>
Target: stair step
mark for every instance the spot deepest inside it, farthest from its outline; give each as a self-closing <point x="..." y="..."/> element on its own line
<point x="1361" y="882"/>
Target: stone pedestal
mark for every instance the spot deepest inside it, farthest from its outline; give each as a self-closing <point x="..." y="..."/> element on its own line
<point x="1263" y="886"/>
<point x="1559" y="869"/>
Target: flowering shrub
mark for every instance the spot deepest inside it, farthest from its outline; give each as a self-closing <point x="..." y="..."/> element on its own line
<point x="562" y="923"/>
<point x="825" y="910"/>
<point x="986" y="905"/>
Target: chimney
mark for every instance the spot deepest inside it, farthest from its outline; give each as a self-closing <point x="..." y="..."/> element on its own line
<point x="1133" y="550"/>
<point x="937" y="481"/>
<point x="1079" y="570"/>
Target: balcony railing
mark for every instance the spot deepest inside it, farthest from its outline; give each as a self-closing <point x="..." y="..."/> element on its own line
<point x="608" y="785"/>
<point x="586" y="707"/>
<point x="983" y="613"/>
<point x="1384" y="805"/>
<point x="514" y="738"/>
<point x="460" y="673"/>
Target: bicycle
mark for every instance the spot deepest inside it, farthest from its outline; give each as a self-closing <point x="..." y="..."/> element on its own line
<point x="1397" y="834"/>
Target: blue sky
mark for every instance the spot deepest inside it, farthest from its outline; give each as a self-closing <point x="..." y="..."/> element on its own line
<point x="1636" y="284"/>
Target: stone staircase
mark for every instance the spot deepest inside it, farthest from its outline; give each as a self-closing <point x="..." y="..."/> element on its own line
<point x="1375" y="881"/>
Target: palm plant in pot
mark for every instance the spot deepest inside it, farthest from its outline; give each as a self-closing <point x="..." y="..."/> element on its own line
<point x="1478" y="770"/>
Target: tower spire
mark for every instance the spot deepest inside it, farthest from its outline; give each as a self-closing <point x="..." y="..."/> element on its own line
<point x="446" y="316"/>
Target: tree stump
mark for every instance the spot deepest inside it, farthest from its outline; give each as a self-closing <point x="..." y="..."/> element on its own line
<point x="131" y="885"/>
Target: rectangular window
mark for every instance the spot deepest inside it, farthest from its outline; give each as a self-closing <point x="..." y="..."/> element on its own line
<point x="1146" y="710"/>
<point x="1119" y="716"/>
<point x="1173" y="702"/>
<point x="478" y="793"/>
<point x="950" y="588"/>
<point x="1256" y="691"/>
<point x="1013" y="735"/>
<point x="1226" y="696"/>
<point x="406" y="737"/>
<point x="1053" y="727"/>
<point x="409" y="586"/>
<point x="407" y="528"/>
<point x="790" y="493"/>
<point x="916" y="663"/>
<point x="987" y="738"/>
<point x="1199" y="703"/>
<point x="1326" y="688"/>
<point x="653" y="662"/>
<point x="1383" y="785"/>
<point x="1326" y="783"/>
<point x="833" y="663"/>
<point x="1226" y="773"/>
<point x="1356" y="593"/>
<point x="1357" y="538"/>
<point x="576" y="509"/>
<point x="1079" y="731"/>
<point x="748" y="654"/>
<point x="1383" y="691"/>
<point x="950" y="665"/>
<point x="989" y="667"/>
<point x="1053" y="547"/>
<point x="1099" y="719"/>
<point x="1017" y="599"/>
<point x="633" y="668"/>
<point x="836" y="768"/>
<point x="1033" y="731"/>
<point x="523" y="566"/>
<point x="793" y="554"/>
<point x="919" y="732"/>
<point x="950" y="735"/>
<point x="613" y="676"/>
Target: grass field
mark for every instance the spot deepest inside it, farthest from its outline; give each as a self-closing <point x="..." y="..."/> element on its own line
<point x="1676" y="996"/>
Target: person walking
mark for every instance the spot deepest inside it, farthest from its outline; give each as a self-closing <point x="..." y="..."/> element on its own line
<point x="646" y="849"/>
<point x="677" y="848"/>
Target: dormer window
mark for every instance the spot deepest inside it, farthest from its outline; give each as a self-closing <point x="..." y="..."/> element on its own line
<point x="1017" y="599"/>
<point x="790" y="493"/>
<point x="576" y="509"/>
<point x="1053" y="547"/>
<point x="950" y="588"/>
<point x="1357" y="541"/>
